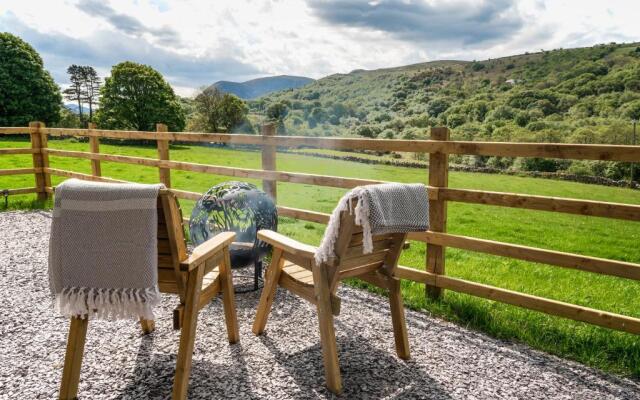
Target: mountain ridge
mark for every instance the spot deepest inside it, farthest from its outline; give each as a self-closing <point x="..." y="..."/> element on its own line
<point x="258" y="87"/>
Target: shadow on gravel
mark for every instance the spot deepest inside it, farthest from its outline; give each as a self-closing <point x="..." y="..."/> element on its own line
<point x="367" y="372"/>
<point x="154" y="372"/>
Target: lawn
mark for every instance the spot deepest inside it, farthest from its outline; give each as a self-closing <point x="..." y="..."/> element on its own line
<point x="606" y="349"/>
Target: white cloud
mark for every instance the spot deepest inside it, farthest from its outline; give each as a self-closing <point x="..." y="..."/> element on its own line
<point x="185" y="39"/>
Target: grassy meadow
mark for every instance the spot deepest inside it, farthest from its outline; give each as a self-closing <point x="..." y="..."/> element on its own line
<point x="606" y="349"/>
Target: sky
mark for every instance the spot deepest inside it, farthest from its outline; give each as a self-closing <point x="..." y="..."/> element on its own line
<point x="194" y="43"/>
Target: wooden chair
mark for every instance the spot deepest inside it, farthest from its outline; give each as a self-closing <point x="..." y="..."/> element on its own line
<point x="293" y="267"/>
<point x="195" y="278"/>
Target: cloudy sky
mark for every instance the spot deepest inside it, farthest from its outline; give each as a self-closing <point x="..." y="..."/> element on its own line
<point x="197" y="42"/>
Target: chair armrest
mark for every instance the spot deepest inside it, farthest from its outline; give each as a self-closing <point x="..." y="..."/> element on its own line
<point x="207" y="249"/>
<point x="286" y="244"/>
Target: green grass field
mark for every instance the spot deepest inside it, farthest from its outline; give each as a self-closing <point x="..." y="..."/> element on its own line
<point x="609" y="350"/>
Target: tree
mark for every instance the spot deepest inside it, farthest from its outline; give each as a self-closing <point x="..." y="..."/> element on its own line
<point x="207" y="107"/>
<point x="437" y="106"/>
<point x="233" y="111"/>
<point x="91" y="86"/>
<point x="631" y="110"/>
<point x="217" y="110"/>
<point x="137" y="97"/>
<point x="277" y="111"/>
<point x="75" y="91"/>
<point x="27" y="91"/>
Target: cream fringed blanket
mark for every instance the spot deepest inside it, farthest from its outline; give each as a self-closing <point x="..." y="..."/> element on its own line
<point x="380" y="209"/>
<point x="103" y="249"/>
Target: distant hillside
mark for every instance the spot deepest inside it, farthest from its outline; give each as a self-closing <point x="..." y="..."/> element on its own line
<point x="583" y="95"/>
<point x="557" y="95"/>
<point x="72" y="107"/>
<point x="259" y="87"/>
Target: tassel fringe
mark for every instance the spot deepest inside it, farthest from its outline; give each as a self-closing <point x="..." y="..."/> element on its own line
<point x="362" y="211"/>
<point x="110" y="304"/>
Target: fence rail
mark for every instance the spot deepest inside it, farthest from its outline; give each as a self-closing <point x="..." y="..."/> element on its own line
<point x="438" y="147"/>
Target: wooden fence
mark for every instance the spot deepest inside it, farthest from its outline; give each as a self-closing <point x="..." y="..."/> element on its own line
<point x="438" y="147"/>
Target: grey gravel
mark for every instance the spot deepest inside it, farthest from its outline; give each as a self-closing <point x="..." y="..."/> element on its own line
<point x="448" y="361"/>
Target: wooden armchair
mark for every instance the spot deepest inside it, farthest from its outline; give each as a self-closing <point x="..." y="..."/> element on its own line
<point x="293" y="267"/>
<point x="195" y="278"/>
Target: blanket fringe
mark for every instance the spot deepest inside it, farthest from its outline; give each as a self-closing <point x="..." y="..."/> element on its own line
<point x="362" y="211"/>
<point x="110" y="304"/>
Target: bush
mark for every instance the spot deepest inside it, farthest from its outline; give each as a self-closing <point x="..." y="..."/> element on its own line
<point x="580" y="167"/>
<point x="536" y="164"/>
<point x="437" y="106"/>
<point x="476" y="66"/>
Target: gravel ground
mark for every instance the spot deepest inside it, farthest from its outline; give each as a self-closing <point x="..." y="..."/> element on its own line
<point x="448" y="361"/>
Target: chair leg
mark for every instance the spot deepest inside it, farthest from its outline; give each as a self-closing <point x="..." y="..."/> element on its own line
<point x="228" y="298"/>
<point x="327" y="331"/>
<point x="268" y="292"/>
<point x="73" y="358"/>
<point x="398" y="319"/>
<point x="148" y="325"/>
<point x="188" y="333"/>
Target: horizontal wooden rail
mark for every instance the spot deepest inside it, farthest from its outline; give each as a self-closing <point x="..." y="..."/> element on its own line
<point x="502" y="149"/>
<point x="574" y="206"/>
<point x="548" y="306"/>
<point x="182" y="194"/>
<point x="305" y="215"/>
<point x="18" y="191"/>
<point x="18" y="151"/>
<point x="14" y="130"/>
<point x="544" y="203"/>
<point x="310" y="179"/>
<point x="567" y="260"/>
<point x="78" y="175"/>
<point x="19" y="171"/>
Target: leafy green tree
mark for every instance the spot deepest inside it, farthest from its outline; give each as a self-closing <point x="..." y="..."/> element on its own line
<point x="207" y="105"/>
<point x="216" y="110"/>
<point x="68" y="119"/>
<point x="233" y="111"/>
<point x="368" y="131"/>
<point x="277" y="111"/>
<point x="632" y="110"/>
<point x="437" y="106"/>
<point x="75" y="90"/>
<point x="27" y="91"/>
<point x="137" y="97"/>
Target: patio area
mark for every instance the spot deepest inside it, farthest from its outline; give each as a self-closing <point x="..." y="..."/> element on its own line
<point x="448" y="361"/>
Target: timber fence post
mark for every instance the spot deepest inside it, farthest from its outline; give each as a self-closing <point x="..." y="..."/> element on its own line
<point x="94" y="144"/>
<point x="269" y="161"/>
<point x="438" y="177"/>
<point x="40" y="159"/>
<point x="163" y="155"/>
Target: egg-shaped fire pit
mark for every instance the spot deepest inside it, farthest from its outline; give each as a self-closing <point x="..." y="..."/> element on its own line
<point x="239" y="207"/>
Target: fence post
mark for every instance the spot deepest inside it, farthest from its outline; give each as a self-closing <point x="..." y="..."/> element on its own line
<point x="269" y="161"/>
<point x="438" y="177"/>
<point x="163" y="154"/>
<point x="40" y="159"/>
<point x="94" y="144"/>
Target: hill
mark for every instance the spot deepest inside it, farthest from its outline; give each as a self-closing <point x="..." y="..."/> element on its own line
<point x="259" y="87"/>
<point x="582" y="95"/>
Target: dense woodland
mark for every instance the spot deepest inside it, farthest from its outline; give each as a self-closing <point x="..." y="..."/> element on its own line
<point x="586" y="95"/>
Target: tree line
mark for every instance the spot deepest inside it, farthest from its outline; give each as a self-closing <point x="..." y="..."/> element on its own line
<point x="133" y="97"/>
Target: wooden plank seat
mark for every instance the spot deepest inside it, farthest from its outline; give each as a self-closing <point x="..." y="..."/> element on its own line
<point x="195" y="278"/>
<point x="293" y="267"/>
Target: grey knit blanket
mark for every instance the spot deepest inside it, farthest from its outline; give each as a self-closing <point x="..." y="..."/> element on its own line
<point x="103" y="254"/>
<point x="380" y="209"/>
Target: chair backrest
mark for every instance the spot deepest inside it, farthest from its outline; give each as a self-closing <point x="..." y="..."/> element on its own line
<point x="172" y="246"/>
<point x="350" y="259"/>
